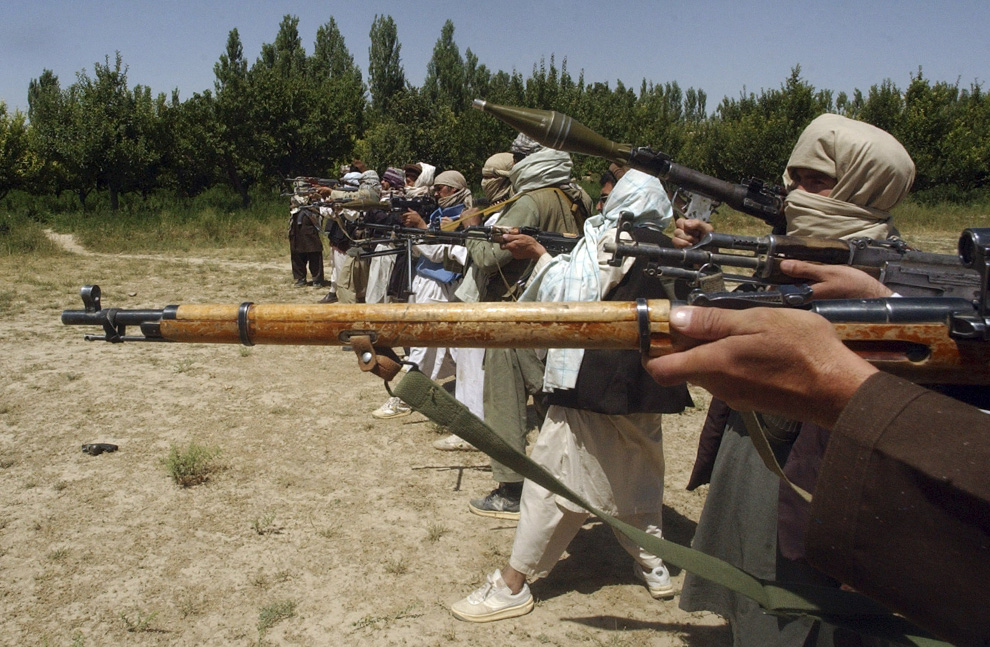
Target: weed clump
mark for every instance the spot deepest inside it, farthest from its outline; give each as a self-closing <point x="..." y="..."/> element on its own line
<point x="273" y="614"/>
<point x="193" y="465"/>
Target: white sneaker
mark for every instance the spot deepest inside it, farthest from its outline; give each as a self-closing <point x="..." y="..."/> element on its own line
<point x="657" y="581"/>
<point x="393" y="408"/>
<point x="493" y="601"/>
<point x="454" y="443"/>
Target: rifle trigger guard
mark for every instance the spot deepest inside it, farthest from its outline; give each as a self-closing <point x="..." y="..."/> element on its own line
<point x="643" y="319"/>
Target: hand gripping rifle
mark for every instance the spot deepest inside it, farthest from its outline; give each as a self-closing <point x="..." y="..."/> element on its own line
<point x="933" y="340"/>
<point x="556" y="130"/>
<point x="904" y="270"/>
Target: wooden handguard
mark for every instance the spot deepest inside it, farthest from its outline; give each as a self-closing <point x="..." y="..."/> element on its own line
<point x="601" y="324"/>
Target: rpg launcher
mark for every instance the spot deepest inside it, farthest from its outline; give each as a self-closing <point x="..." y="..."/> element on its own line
<point x="905" y="271"/>
<point x="556" y="130"/>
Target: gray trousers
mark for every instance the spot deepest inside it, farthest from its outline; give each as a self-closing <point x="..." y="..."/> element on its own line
<point x="511" y="376"/>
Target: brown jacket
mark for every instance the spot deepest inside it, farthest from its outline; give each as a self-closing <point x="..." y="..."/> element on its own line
<point x="304" y="232"/>
<point x="901" y="508"/>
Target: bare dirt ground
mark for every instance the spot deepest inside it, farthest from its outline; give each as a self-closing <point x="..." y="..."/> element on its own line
<point x="354" y="528"/>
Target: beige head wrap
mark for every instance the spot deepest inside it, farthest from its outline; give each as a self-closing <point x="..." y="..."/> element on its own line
<point x="495" y="180"/>
<point x="455" y="180"/>
<point x="872" y="170"/>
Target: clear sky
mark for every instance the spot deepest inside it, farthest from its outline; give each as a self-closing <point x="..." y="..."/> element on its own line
<point x="721" y="47"/>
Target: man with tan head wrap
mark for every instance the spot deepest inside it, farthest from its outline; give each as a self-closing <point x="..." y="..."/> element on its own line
<point x="842" y="178"/>
<point x="432" y="281"/>
<point x="495" y="181"/>
<point x="870" y="172"/>
<point x="470" y="372"/>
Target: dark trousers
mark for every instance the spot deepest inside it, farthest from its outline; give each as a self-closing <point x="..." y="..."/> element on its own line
<point x="299" y="262"/>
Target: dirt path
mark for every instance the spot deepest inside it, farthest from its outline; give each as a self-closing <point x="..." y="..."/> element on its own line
<point x="69" y="243"/>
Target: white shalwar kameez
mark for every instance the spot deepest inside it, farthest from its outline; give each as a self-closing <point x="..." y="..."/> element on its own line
<point x="615" y="462"/>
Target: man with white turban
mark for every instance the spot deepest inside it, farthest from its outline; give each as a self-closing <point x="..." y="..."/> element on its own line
<point x="432" y="281"/>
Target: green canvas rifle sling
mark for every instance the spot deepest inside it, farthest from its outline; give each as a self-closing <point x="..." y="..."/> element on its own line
<point x="834" y="605"/>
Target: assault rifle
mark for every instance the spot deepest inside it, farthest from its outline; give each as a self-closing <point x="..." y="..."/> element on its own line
<point x="305" y="185"/>
<point x="554" y="243"/>
<point x="931" y="340"/>
<point x="313" y="181"/>
<point x="904" y="270"/>
<point x="395" y="206"/>
<point x="556" y="130"/>
<point x="345" y="233"/>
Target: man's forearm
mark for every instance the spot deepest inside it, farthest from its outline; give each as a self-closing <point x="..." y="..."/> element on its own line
<point x="905" y="480"/>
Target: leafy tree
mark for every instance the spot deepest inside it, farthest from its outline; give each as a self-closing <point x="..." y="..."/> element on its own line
<point x="477" y="77"/>
<point x="695" y="109"/>
<point x="48" y="115"/>
<point x="331" y="58"/>
<point x="286" y="55"/>
<point x="753" y="136"/>
<point x="402" y="134"/>
<point x="279" y="101"/>
<point x="115" y="127"/>
<point x="386" y="78"/>
<point x="192" y="160"/>
<point x="945" y="130"/>
<point x="15" y="160"/>
<point x="98" y="132"/>
<point x="883" y="107"/>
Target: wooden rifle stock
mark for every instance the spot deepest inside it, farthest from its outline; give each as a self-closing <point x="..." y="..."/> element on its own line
<point x="923" y="352"/>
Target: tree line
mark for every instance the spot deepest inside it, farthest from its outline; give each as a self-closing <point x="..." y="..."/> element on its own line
<point x="296" y="113"/>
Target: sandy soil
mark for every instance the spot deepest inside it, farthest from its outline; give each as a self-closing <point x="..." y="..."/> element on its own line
<point x="356" y="528"/>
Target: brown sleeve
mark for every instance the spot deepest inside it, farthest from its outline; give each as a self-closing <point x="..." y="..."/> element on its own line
<point x="901" y="509"/>
<point x="708" y="443"/>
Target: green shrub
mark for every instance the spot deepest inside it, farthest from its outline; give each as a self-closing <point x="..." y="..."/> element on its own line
<point x="193" y="465"/>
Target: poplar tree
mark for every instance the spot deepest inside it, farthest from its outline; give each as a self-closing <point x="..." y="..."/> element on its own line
<point x="385" y="75"/>
<point x="445" y="73"/>
<point x="337" y="117"/>
<point x="235" y="133"/>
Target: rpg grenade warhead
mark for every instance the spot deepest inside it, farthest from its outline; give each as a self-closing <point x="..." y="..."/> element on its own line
<point x="564" y="133"/>
<point x="557" y="130"/>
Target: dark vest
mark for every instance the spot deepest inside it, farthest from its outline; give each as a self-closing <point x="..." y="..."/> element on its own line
<point x="614" y="382"/>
